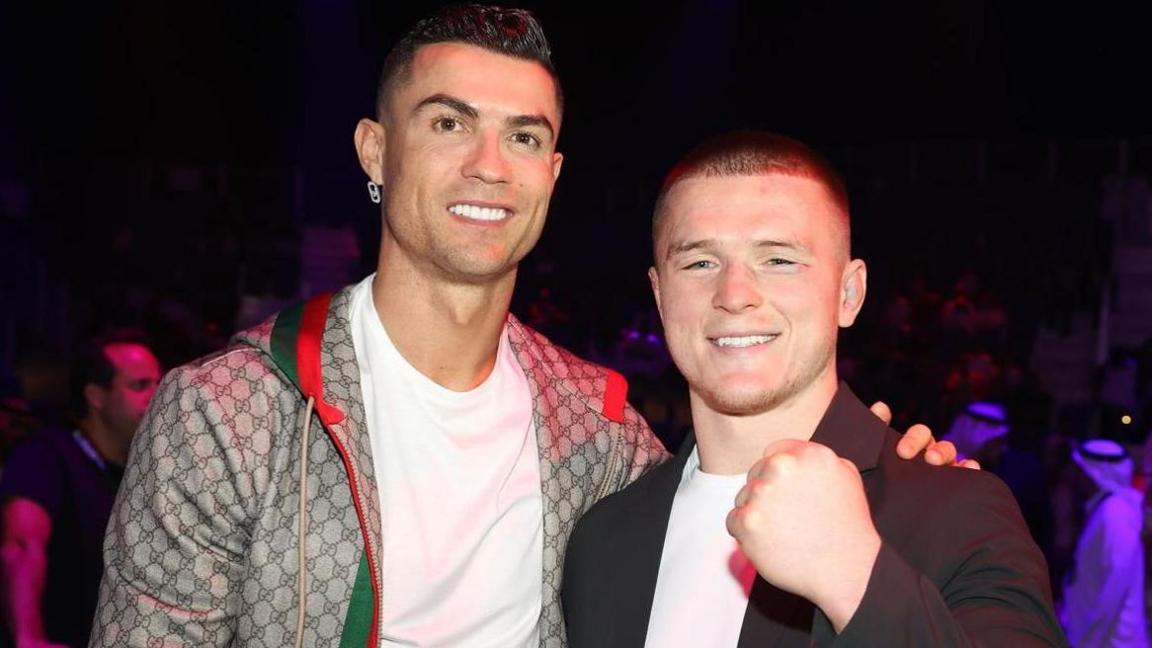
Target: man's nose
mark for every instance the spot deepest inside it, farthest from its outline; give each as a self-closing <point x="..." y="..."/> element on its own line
<point x="737" y="290"/>
<point x="487" y="161"/>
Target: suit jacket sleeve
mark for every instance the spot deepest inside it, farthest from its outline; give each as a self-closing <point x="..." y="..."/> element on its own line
<point x="990" y="587"/>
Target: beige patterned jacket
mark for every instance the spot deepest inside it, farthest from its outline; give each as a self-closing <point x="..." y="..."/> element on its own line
<point x="203" y="543"/>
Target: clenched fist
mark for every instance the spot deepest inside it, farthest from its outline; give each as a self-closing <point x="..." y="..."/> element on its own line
<point x="803" y="521"/>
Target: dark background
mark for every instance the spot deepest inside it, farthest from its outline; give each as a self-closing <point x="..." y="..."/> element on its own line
<point x="163" y="159"/>
<point x="186" y="168"/>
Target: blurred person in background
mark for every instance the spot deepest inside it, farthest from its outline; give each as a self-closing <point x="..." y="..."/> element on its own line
<point x="57" y="491"/>
<point x="1104" y="591"/>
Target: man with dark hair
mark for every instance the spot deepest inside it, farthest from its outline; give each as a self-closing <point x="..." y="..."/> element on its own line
<point x="57" y="492"/>
<point x="833" y="540"/>
<point x="456" y="447"/>
<point x="510" y="32"/>
<point x="417" y="449"/>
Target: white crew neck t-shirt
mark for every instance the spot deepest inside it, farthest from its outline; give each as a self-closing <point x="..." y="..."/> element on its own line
<point x="460" y="502"/>
<point x="704" y="581"/>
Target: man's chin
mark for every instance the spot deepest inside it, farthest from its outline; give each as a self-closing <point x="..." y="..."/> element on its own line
<point x="744" y="401"/>
<point x="477" y="270"/>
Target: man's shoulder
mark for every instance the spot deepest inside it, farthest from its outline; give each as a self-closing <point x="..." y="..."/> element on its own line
<point x="37" y="462"/>
<point x="939" y="512"/>
<point x="914" y="480"/>
<point x="896" y="484"/>
<point x="962" y="530"/>
<point x="534" y="348"/>
<point x="571" y="380"/>
<point x="950" y="478"/>
<point x="238" y="386"/>
<point x="48" y="439"/>
<point x="616" y="512"/>
<point x="41" y="447"/>
<point x="283" y="328"/>
<point x="1121" y="508"/>
<point x="237" y="361"/>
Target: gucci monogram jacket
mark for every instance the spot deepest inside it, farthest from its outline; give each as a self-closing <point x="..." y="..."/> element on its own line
<point x="209" y="527"/>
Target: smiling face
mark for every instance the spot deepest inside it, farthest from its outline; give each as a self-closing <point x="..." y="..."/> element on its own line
<point x="753" y="280"/>
<point x="466" y="156"/>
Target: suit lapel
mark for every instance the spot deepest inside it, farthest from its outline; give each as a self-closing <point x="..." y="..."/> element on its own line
<point x="643" y="546"/>
<point x="850" y="429"/>
<point x="775" y="617"/>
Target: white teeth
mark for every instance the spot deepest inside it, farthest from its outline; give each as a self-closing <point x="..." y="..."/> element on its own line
<point x="479" y="213"/>
<point x="743" y="341"/>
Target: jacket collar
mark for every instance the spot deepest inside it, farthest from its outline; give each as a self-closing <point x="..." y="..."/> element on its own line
<point x="773" y="617"/>
<point x="851" y="429"/>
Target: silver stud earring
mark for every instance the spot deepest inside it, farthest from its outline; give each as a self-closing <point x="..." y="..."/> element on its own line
<point x="374" y="192"/>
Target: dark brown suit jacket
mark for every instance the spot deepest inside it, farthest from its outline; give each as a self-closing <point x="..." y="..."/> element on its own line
<point x="957" y="566"/>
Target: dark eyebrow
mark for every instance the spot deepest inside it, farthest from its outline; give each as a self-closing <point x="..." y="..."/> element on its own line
<point x="450" y="102"/>
<point x="462" y="107"/>
<point x="520" y="121"/>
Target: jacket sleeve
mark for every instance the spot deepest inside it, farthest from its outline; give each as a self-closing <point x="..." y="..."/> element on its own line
<point x="994" y="591"/>
<point x="174" y="552"/>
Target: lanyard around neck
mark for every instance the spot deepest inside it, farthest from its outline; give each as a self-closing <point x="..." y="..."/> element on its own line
<point x="86" y="448"/>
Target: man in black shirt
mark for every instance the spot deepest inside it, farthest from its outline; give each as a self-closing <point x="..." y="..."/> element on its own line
<point x="57" y="491"/>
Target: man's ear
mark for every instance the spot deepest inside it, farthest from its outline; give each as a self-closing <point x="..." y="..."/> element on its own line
<point x="95" y="396"/>
<point x="557" y="162"/>
<point x="853" y="288"/>
<point x="370" y="146"/>
<point x="654" y="279"/>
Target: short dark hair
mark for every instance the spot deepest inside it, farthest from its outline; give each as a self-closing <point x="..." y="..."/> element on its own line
<point x="93" y="366"/>
<point x="751" y="153"/>
<point x="511" y="32"/>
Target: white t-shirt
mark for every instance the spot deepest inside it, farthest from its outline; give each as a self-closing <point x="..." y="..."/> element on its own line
<point x="704" y="582"/>
<point x="460" y="502"/>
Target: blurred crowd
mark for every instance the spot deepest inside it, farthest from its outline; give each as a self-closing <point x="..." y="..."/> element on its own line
<point x="952" y="345"/>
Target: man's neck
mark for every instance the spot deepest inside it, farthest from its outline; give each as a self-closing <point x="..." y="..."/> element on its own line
<point x="103" y="440"/>
<point x="449" y="331"/>
<point x="729" y="445"/>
